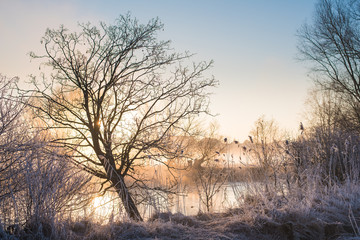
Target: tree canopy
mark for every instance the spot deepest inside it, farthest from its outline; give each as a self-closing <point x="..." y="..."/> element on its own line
<point x="116" y="96"/>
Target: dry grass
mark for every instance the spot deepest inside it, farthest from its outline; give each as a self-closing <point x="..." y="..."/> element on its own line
<point x="331" y="215"/>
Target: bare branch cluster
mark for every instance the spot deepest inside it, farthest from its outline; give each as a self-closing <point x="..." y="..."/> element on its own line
<point x="332" y="44"/>
<point x="36" y="180"/>
<point x="118" y="95"/>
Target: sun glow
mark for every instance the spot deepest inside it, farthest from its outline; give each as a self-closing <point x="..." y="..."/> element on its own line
<point x="103" y="207"/>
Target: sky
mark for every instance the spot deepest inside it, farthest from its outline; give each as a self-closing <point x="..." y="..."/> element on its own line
<point x="253" y="44"/>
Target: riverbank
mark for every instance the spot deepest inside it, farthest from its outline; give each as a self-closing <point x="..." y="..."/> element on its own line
<point x="334" y="215"/>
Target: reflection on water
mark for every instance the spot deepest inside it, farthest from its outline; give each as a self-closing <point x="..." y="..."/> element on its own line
<point x="189" y="203"/>
<point x="108" y="207"/>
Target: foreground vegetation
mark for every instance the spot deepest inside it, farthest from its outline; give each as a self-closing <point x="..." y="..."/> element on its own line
<point x="304" y="198"/>
<point x="331" y="215"/>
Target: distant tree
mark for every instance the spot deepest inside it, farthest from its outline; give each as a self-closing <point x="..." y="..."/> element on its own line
<point x="208" y="169"/>
<point x="327" y="131"/>
<point x="324" y="120"/>
<point x="209" y="179"/>
<point x="205" y="147"/>
<point x="119" y="96"/>
<point x="265" y="138"/>
<point x="332" y="44"/>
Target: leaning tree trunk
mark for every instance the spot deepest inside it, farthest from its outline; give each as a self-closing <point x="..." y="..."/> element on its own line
<point x="122" y="190"/>
<point x="117" y="181"/>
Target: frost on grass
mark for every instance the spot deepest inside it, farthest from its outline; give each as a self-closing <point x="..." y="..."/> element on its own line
<point x="331" y="215"/>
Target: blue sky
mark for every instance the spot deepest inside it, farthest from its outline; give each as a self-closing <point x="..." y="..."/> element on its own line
<point x="252" y="43"/>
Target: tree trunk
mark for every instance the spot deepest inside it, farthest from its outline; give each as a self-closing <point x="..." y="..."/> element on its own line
<point x="129" y="204"/>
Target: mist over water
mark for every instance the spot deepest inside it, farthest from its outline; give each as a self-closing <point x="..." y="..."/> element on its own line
<point x="190" y="204"/>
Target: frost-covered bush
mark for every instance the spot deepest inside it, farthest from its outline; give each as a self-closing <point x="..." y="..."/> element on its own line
<point x="37" y="181"/>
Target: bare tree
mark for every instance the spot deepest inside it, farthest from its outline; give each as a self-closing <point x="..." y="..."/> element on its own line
<point x="208" y="172"/>
<point x="119" y="96"/>
<point x="332" y="44"/>
<point x="328" y="130"/>
<point x="209" y="179"/>
<point x="265" y="149"/>
<point x="204" y="145"/>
